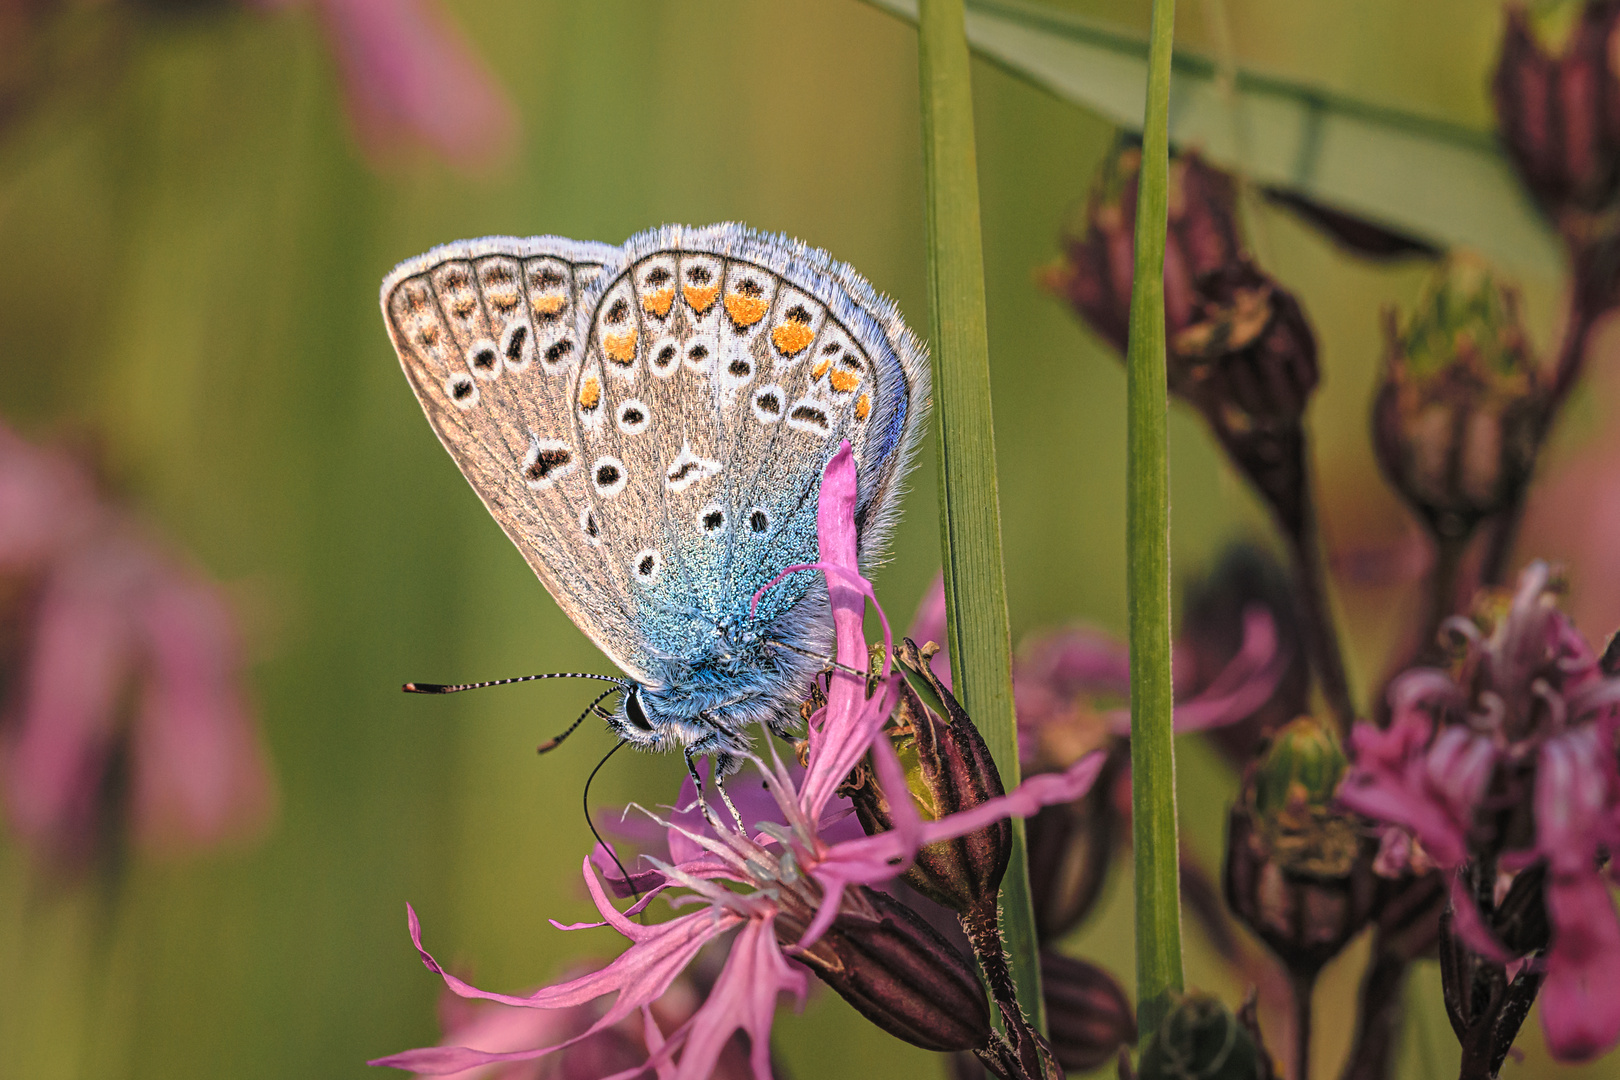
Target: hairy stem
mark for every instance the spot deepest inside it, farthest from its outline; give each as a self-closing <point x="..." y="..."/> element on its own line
<point x="1153" y="765"/>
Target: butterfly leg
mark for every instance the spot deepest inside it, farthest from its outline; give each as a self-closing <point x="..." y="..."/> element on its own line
<point x="697" y="786"/>
<point x="719" y="766"/>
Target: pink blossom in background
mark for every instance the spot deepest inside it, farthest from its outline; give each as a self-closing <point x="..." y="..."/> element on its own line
<point x="1527" y="718"/>
<point x="411" y="78"/>
<point x="118" y="657"/>
<point x="794" y="882"/>
<point x="1057" y="674"/>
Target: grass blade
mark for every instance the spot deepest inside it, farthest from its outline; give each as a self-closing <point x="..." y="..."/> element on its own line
<point x="969" y="508"/>
<point x="1147" y="546"/>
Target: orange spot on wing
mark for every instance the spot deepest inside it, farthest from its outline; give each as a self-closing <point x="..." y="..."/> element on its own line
<point x="745" y="310"/>
<point x="549" y="304"/>
<point x="863" y="406"/>
<point x="792" y="338"/>
<point x="620" y="347"/>
<point x="658" y="301"/>
<point x="503" y="299"/>
<point x="843" y="381"/>
<point x="590" y="393"/>
<point x="820" y="370"/>
<point x="700" y="297"/>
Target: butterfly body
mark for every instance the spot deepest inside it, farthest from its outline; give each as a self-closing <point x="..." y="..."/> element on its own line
<point x="649" y="424"/>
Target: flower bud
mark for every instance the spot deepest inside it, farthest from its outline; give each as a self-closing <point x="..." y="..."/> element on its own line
<point x="1458" y="420"/>
<point x="1200" y="1038"/>
<point x="1298" y="870"/>
<point x="1247" y="361"/>
<point x="948" y="769"/>
<point x="1559" y="116"/>
<point x="897" y="971"/>
<point x="1299" y="772"/>
<point x="1088" y="1016"/>
<point x="1096" y="271"/>
<point x="1070" y="848"/>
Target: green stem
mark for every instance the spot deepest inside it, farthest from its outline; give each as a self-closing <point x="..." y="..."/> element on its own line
<point x="1147" y="544"/>
<point x="969" y="508"/>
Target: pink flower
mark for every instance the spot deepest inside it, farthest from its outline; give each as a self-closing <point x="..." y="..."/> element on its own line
<point x="1056" y="673"/>
<point x="410" y="77"/>
<point x="622" y="1047"/>
<point x="791" y="896"/>
<point x="99" y="611"/>
<point x="1516" y="740"/>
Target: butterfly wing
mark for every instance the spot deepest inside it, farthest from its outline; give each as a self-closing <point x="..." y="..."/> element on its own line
<point x="490" y="335"/>
<point x="752" y="357"/>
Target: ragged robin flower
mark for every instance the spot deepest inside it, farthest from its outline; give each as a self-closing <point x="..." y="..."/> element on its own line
<point x="122" y="705"/>
<point x="1502" y="766"/>
<point x="785" y="894"/>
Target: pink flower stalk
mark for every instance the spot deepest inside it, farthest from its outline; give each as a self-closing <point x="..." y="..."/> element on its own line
<point x="792" y="897"/>
<point x="410" y="77"/>
<point x="1506" y="762"/>
<point x="119" y="653"/>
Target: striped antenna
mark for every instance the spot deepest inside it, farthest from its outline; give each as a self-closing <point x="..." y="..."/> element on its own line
<point x="456" y="688"/>
<point x="552" y="744"/>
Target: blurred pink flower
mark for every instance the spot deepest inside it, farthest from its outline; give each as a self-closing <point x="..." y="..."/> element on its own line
<point x="800" y="887"/>
<point x="410" y="76"/>
<point x="1057" y="674"/>
<point x="124" y="675"/>
<point x="1523" y="726"/>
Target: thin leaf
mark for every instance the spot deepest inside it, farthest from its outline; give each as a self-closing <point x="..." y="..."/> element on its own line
<point x="1442" y="182"/>
<point x="970" y="510"/>
<point x="1147" y="545"/>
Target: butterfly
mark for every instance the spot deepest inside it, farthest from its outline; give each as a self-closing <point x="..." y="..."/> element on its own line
<point x="649" y="424"/>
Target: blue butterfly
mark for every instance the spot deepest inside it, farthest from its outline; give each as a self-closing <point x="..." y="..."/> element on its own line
<point x="649" y="424"/>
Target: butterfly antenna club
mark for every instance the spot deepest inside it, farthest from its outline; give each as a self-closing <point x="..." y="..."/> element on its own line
<point x="456" y="688"/>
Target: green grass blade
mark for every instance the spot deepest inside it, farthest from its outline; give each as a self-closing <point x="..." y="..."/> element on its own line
<point x="969" y="508"/>
<point x="1147" y="546"/>
<point x="1440" y="181"/>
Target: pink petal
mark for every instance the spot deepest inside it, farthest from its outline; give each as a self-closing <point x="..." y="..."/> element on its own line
<point x="1580" y="1000"/>
<point x="200" y="774"/>
<point x="1470" y="925"/>
<point x="876" y="858"/>
<point x="410" y="76"/>
<point x="638" y="977"/>
<point x="1239" y="690"/>
<point x="929" y="625"/>
<point x="46" y="500"/>
<point x="82" y="651"/>
<point x="744" y="996"/>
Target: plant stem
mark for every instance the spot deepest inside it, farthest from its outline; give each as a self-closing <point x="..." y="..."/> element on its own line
<point x="1147" y="544"/>
<point x="1567" y="371"/>
<point x="1310" y="585"/>
<point x="1303" y="985"/>
<point x="980" y="639"/>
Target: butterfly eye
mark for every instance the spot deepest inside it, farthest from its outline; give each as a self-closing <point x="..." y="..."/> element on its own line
<point x="635" y="712"/>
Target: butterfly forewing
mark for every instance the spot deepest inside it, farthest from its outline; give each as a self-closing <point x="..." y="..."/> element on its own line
<point x="488" y="334"/>
<point x="650" y="425"/>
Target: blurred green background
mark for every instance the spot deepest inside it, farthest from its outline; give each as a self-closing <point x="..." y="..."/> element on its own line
<point x="191" y="263"/>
